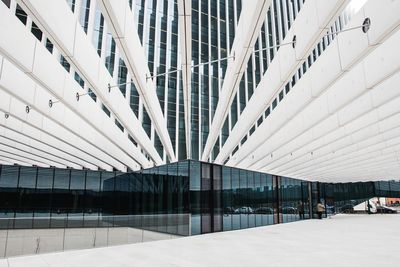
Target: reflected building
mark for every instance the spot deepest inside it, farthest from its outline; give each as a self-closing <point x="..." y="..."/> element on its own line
<point x="184" y="198"/>
<point x="190" y="117"/>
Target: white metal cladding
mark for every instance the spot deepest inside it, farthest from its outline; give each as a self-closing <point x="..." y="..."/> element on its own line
<point x="348" y="86"/>
<point x="71" y="39"/>
<point x="323" y="108"/>
<point x="38" y="64"/>
<point x="118" y="16"/>
<point x="308" y="29"/>
<point x="246" y="34"/>
<point x="185" y="34"/>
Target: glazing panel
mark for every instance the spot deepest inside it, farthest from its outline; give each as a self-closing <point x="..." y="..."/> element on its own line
<point x="195" y="197"/>
<point x="228" y="209"/>
<point x="251" y="199"/>
<point x="236" y="199"/>
<point x="244" y="209"/>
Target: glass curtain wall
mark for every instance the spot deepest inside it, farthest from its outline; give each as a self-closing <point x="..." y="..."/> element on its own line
<point x="183" y="198"/>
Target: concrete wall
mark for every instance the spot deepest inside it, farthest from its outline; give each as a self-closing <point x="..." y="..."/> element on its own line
<point x="36" y="241"/>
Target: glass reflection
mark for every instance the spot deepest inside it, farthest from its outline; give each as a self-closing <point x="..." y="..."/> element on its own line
<point x="187" y="197"/>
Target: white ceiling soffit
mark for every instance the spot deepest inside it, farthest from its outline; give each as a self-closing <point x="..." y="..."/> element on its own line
<point x="41" y="132"/>
<point x="185" y="38"/>
<point x="8" y="161"/>
<point x="59" y="125"/>
<point x="312" y="22"/>
<point x="68" y="36"/>
<point x="121" y="21"/>
<point x="15" y="159"/>
<point x="8" y="148"/>
<point x="251" y="20"/>
<point x="321" y="115"/>
<point x="29" y="142"/>
<point x="36" y="87"/>
<point x="12" y="145"/>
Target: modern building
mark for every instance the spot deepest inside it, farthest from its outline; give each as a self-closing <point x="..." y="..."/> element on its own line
<point x="195" y="116"/>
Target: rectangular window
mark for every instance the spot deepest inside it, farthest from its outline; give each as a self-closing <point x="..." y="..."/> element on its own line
<point x="79" y="80"/>
<point x="98" y="30"/>
<point x="92" y="94"/>
<point x="119" y="125"/>
<point x="65" y="63"/>
<point x="110" y="54"/>
<point x="122" y="73"/>
<point x="21" y="15"/>
<point x="287" y="88"/>
<point x="267" y="112"/>
<point x="132" y="140"/>
<point x="84" y="16"/>
<point x="7" y="3"/>
<point x="49" y="45"/>
<point x="274" y="103"/>
<point x="252" y="129"/>
<point x="281" y="96"/>
<point x="36" y="31"/>
<point x="71" y="4"/>
<point x="259" y="121"/>
<point x="27" y="177"/>
<point x="106" y="110"/>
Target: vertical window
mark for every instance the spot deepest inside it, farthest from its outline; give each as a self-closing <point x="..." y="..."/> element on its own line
<point x="92" y="94"/>
<point x="98" y="30"/>
<point x="110" y="53"/>
<point x="71" y="4"/>
<point x="36" y="31"/>
<point x="6" y="2"/>
<point x="119" y="125"/>
<point x="106" y="110"/>
<point x="64" y="63"/>
<point x="134" y="99"/>
<point x="84" y="16"/>
<point x="21" y="15"/>
<point x="79" y="80"/>
<point x="122" y="73"/>
<point x="49" y="45"/>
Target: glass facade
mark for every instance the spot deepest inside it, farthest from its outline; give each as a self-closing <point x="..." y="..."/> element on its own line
<point x="184" y="198"/>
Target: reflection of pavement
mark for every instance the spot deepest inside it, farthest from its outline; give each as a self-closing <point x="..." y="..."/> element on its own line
<point x="344" y="240"/>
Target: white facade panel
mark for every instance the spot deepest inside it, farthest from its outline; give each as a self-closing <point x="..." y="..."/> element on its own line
<point x="384" y="16"/>
<point x="22" y="51"/>
<point x="352" y="41"/>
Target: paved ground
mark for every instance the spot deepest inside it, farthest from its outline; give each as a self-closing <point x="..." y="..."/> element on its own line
<point x="344" y="240"/>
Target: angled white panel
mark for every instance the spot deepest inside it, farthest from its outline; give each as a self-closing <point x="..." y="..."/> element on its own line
<point x="185" y="38"/>
<point x="12" y="46"/>
<point x="121" y="21"/>
<point x="48" y="147"/>
<point x="349" y="106"/>
<point x="380" y="63"/>
<point x="251" y="19"/>
<point x="384" y="16"/>
<point x="308" y="28"/>
<point x="76" y="45"/>
<point x="350" y="42"/>
<point x="326" y="69"/>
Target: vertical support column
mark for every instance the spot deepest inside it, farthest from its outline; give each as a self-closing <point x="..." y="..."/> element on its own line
<point x="217" y="198"/>
<point x="310" y="201"/>
<point x="276" y="199"/>
<point x="206" y="199"/>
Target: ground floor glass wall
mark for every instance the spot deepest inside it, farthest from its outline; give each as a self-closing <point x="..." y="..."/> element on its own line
<point x="183" y="198"/>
